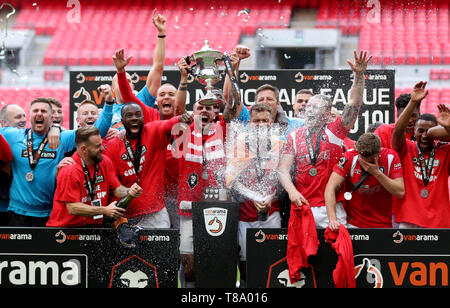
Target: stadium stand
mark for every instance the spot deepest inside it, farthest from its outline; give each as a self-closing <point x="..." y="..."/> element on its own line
<point x="24" y="95"/>
<point x="92" y="43"/>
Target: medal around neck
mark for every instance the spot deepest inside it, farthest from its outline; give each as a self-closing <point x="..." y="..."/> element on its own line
<point x="312" y="172"/>
<point x="348" y="196"/>
<point x="424" y="193"/>
<point x="29" y="177"/>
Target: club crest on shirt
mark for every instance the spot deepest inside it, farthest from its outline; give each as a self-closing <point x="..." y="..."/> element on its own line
<point x="192" y="180"/>
<point x="342" y="162"/>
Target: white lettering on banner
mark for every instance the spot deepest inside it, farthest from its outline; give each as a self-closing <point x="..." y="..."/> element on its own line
<point x="39" y="272"/>
<point x="369" y="118"/>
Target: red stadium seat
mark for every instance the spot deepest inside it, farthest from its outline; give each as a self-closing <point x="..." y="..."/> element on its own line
<point x="123" y="20"/>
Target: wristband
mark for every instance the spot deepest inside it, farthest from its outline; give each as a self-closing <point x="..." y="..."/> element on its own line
<point x="161" y="35"/>
<point x="111" y="103"/>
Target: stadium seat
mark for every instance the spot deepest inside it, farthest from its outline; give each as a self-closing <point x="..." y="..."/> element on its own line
<point x="70" y="40"/>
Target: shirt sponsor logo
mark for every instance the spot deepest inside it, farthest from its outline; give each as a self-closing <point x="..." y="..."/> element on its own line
<point x="44" y="154"/>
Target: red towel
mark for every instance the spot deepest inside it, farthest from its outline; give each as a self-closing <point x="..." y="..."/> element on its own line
<point x="302" y="240"/>
<point x="344" y="273"/>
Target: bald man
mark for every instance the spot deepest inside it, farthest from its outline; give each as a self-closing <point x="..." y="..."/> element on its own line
<point x="13" y="115"/>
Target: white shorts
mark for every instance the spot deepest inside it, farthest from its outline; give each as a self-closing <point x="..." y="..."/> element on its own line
<point x="172" y="209"/>
<point x="186" y="236"/>
<point x="273" y="221"/>
<point x="321" y="217"/>
<point x="155" y="220"/>
<point x="407" y="225"/>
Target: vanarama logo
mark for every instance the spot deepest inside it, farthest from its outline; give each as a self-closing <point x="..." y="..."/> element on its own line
<point x="260" y="237"/>
<point x="367" y="275"/>
<point x="215" y="220"/>
<point x="299" y="77"/>
<point x="16" y="236"/>
<point x="155" y="238"/>
<point x="400" y="237"/>
<point x="61" y="237"/>
<point x="245" y="77"/>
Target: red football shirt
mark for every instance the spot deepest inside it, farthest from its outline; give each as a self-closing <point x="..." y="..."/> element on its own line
<point x="371" y="203"/>
<point x="152" y="114"/>
<point x="434" y="210"/>
<point x="313" y="187"/>
<point x="154" y="140"/>
<point x="71" y="187"/>
<point x="385" y="133"/>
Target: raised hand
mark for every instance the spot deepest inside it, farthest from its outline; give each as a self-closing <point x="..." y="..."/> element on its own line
<point x="185" y="118"/>
<point x="160" y="22"/>
<point x="183" y="67"/>
<point x="361" y="62"/>
<point x="419" y="93"/>
<point x="120" y="61"/>
<point x="106" y="91"/>
<point x="243" y="52"/>
<point x="444" y="117"/>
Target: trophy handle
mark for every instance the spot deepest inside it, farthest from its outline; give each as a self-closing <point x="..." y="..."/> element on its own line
<point x="219" y="60"/>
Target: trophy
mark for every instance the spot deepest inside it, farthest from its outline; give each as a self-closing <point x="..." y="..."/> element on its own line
<point x="205" y="70"/>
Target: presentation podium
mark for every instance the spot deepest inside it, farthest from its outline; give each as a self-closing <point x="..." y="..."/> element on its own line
<point x="215" y="225"/>
<point x="87" y="258"/>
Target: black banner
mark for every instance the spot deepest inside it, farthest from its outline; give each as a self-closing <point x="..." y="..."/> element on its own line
<point x="379" y="94"/>
<point x="215" y="227"/>
<point x="384" y="258"/>
<point x="86" y="258"/>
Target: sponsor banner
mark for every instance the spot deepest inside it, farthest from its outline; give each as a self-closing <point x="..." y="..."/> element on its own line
<point x="215" y="227"/>
<point x="384" y="258"/>
<point x="379" y="93"/>
<point x="86" y="258"/>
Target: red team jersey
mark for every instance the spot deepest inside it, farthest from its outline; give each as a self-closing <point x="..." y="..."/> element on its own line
<point x="313" y="187"/>
<point x="434" y="210"/>
<point x="152" y="114"/>
<point x="371" y="203"/>
<point x="385" y="133"/>
<point x="154" y="140"/>
<point x="71" y="188"/>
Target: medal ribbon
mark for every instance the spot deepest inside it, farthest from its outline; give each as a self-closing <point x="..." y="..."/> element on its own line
<point x="233" y="79"/>
<point x="90" y="183"/>
<point x="426" y="166"/>
<point x="134" y="156"/>
<point x="313" y="153"/>
<point x="364" y="175"/>
<point x="204" y="162"/>
<point x="33" y="159"/>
